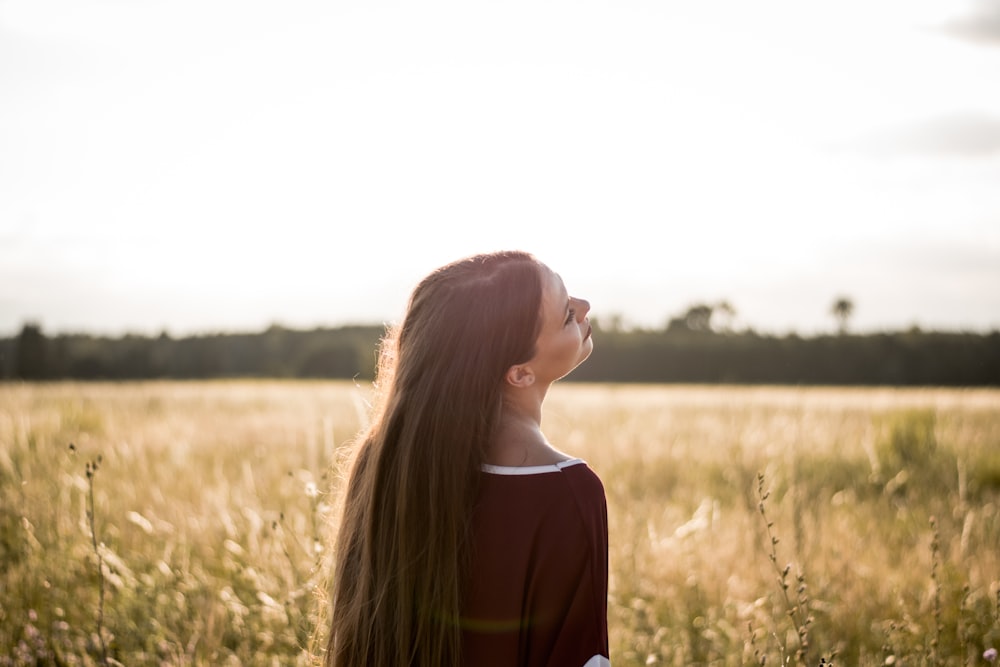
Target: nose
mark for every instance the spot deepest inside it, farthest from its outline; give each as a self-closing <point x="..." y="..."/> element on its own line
<point x="582" y="308"/>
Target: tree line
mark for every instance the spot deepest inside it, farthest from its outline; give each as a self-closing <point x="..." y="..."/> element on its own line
<point x="687" y="350"/>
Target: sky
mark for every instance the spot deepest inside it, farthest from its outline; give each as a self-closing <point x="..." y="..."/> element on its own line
<point x="223" y="165"/>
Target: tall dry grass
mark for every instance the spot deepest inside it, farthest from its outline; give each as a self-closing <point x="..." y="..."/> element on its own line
<point x="749" y="525"/>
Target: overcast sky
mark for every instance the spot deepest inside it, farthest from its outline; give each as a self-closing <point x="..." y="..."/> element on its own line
<point x="226" y="164"/>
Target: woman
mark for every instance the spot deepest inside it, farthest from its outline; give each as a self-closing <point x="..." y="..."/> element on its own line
<point x="466" y="538"/>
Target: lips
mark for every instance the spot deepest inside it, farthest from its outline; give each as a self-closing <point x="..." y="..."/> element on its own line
<point x="590" y="330"/>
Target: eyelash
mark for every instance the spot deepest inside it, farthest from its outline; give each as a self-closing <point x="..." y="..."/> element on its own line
<point x="571" y="317"/>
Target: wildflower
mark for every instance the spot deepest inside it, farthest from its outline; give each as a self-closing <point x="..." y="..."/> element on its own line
<point x="990" y="654"/>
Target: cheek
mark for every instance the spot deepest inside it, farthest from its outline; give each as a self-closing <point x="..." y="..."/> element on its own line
<point x="564" y="350"/>
<point x="570" y="344"/>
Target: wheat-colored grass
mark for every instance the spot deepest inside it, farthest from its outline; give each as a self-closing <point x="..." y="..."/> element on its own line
<point x="211" y="507"/>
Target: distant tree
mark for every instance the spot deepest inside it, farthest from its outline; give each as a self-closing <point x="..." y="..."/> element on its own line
<point x="725" y="310"/>
<point x="842" y="310"/>
<point x="31" y="358"/>
<point x="331" y="360"/>
<point x="698" y="317"/>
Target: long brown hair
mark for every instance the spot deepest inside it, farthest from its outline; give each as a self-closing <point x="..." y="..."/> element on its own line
<point x="401" y="553"/>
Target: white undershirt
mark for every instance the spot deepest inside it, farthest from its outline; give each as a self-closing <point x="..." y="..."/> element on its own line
<point x="531" y="470"/>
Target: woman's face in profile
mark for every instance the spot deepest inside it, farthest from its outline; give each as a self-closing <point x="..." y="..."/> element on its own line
<point x="564" y="341"/>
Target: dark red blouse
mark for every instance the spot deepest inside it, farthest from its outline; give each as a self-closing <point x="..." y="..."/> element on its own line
<point x="539" y="588"/>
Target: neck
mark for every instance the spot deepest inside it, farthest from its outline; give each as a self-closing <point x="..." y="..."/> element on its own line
<point x="519" y="440"/>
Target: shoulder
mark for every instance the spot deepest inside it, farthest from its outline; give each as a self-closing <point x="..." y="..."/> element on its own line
<point x="582" y="474"/>
<point x="543" y="489"/>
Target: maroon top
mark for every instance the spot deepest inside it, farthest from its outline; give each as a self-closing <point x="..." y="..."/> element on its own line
<point x="538" y="594"/>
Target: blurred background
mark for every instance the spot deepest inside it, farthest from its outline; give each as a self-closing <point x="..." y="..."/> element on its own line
<point x="188" y="167"/>
<point x="749" y="193"/>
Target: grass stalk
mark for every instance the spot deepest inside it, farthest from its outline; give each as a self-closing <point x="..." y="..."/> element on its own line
<point x="91" y="469"/>
<point x="934" y="658"/>
<point x="797" y="609"/>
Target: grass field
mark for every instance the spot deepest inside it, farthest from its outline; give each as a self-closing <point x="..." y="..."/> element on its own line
<point x="185" y="523"/>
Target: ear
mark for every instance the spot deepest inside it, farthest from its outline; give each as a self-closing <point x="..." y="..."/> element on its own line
<point x="520" y="376"/>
